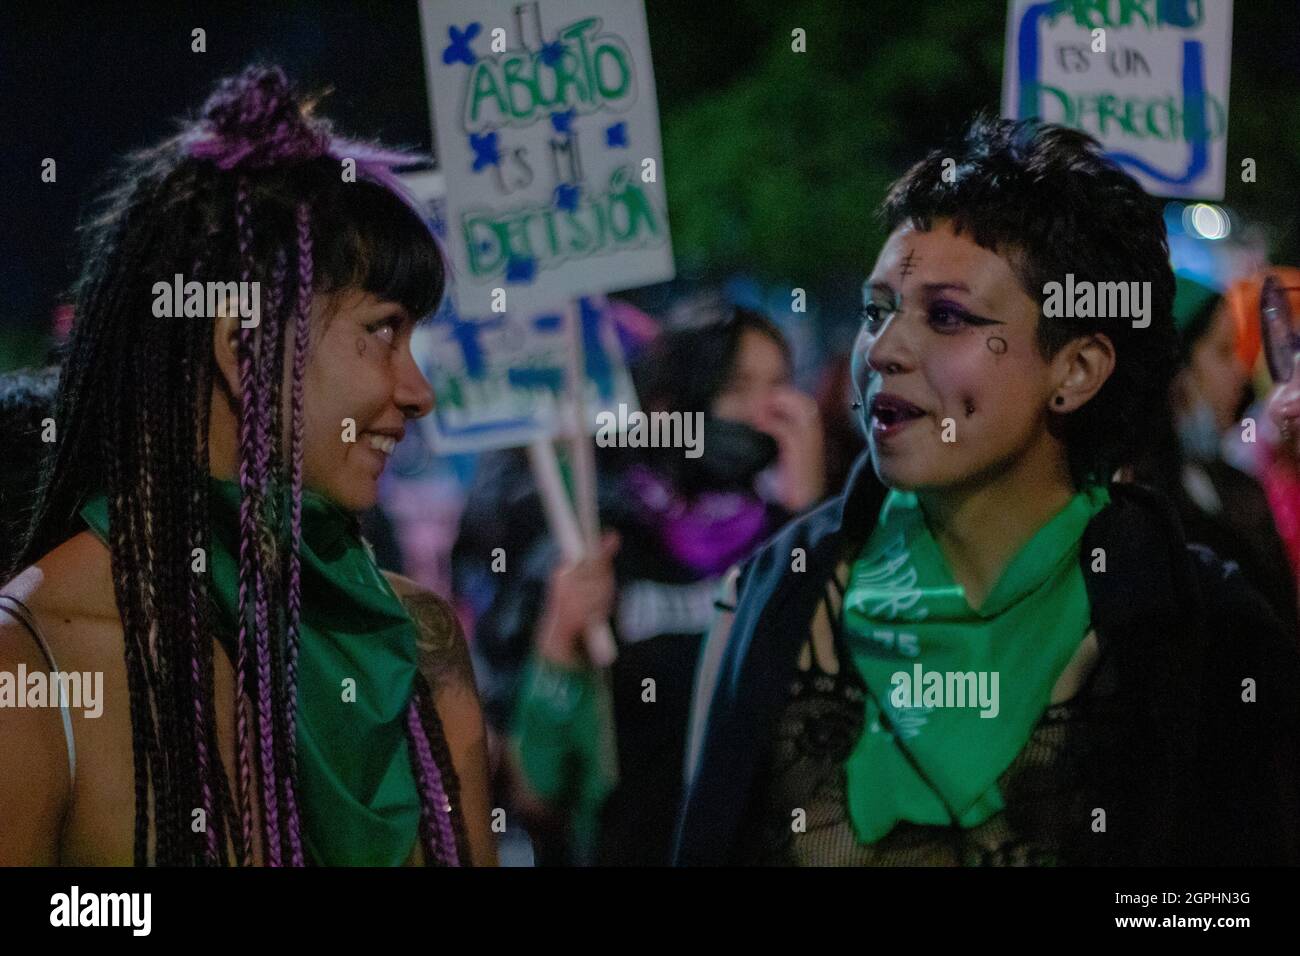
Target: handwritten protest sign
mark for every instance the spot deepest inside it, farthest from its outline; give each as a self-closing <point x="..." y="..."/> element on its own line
<point x="1148" y="78"/>
<point x="500" y="378"/>
<point x="547" y="132"/>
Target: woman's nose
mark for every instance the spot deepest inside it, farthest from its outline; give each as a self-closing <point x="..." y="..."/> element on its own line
<point x="413" y="395"/>
<point x="888" y="352"/>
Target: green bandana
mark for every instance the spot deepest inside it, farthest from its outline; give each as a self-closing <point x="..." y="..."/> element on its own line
<point x="911" y="633"/>
<point x="357" y="792"/>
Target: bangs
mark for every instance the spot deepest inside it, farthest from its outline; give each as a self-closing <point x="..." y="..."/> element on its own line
<point x="370" y="239"/>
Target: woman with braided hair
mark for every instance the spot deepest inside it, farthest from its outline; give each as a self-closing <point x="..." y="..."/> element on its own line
<point x="269" y="696"/>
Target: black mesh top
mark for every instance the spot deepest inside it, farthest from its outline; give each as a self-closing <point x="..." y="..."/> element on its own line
<point x="816" y="731"/>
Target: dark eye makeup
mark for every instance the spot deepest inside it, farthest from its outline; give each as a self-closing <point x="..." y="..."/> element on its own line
<point x="946" y="316"/>
<point x="942" y="315"/>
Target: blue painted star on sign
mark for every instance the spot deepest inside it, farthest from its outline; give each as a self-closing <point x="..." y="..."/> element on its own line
<point x="566" y="196"/>
<point x="616" y="135"/>
<point x="551" y="53"/>
<point x="458" y="50"/>
<point x="521" y="269"/>
<point x="485" y="150"/>
<point x="562" y="122"/>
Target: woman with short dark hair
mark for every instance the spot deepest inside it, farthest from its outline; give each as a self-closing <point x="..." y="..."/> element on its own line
<point x="986" y="651"/>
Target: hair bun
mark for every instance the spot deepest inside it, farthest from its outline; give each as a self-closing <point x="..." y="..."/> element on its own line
<point x="254" y="121"/>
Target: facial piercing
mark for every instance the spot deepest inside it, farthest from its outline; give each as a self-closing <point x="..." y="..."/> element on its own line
<point x="1060" y="399"/>
<point x="856" y="405"/>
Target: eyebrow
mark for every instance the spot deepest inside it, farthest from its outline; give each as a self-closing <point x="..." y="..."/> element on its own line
<point x="929" y="286"/>
<point x="388" y="309"/>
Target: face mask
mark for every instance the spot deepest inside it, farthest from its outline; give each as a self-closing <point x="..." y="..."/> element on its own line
<point x="733" y="455"/>
<point x="1198" y="434"/>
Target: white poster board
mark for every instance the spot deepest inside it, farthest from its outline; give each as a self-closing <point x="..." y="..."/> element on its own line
<point x="547" y="133"/>
<point x="500" y="378"/>
<point x="1148" y="78"/>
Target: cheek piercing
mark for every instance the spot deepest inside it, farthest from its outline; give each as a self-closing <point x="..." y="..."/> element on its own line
<point x="970" y="408"/>
<point x="1060" y="399"/>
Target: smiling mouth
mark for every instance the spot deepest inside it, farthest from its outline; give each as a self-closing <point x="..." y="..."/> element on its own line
<point x="381" y="443"/>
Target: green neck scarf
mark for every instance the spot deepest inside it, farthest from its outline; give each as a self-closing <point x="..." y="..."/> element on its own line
<point x="357" y="663"/>
<point x="911" y="633"/>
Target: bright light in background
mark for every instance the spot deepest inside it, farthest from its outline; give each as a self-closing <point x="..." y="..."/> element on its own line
<point x="1207" y="221"/>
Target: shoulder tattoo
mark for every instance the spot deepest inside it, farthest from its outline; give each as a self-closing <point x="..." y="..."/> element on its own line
<point x="444" y="654"/>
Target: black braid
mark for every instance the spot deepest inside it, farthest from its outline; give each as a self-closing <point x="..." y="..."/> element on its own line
<point x="433" y="729"/>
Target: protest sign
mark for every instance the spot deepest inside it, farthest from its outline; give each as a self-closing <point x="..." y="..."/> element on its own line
<point x="547" y="131"/>
<point x="1148" y="78"/>
<point x="500" y="378"/>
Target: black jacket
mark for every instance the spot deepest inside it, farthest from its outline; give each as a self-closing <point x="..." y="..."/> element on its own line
<point x="1194" y="775"/>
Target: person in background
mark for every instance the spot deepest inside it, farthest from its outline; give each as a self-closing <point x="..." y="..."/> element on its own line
<point x="844" y="438"/>
<point x="1219" y="505"/>
<point x="676" y="523"/>
<point x="1279" y="306"/>
<point x="26" y="400"/>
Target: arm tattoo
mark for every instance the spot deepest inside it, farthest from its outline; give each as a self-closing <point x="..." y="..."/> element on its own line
<point x="444" y="653"/>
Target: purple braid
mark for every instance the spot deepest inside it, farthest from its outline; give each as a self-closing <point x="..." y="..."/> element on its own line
<point x="265" y="708"/>
<point x="252" y="528"/>
<point x="302" y="316"/>
<point x="197" y="521"/>
<point x="270" y="330"/>
<point x="271" y="358"/>
<point x="435" y="809"/>
<point x="197" y="636"/>
<point x="265" y="548"/>
<point x="244" y="743"/>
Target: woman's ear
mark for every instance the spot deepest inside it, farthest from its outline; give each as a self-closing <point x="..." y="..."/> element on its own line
<point x="1085" y="364"/>
<point x="225" y="339"/>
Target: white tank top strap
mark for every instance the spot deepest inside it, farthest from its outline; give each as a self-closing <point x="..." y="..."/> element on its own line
<point x="21" y="613"/>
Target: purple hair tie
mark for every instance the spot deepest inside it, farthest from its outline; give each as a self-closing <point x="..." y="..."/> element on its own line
<point x="253" y="121"/>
